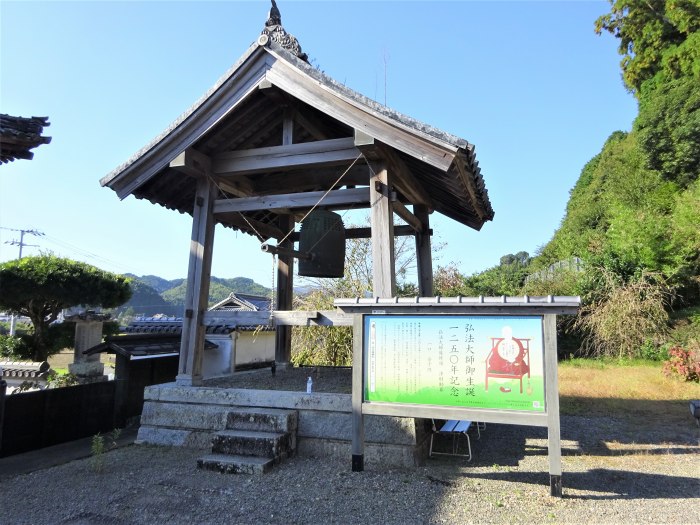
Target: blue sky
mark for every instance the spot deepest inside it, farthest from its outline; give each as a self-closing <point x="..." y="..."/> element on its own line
<point x="529" y="83"/>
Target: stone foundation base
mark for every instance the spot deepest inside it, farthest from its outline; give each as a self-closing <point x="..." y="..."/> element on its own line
<point x="189" y="416"/>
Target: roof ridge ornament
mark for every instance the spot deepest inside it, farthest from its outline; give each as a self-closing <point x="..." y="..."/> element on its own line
<point x="273" y="31"/>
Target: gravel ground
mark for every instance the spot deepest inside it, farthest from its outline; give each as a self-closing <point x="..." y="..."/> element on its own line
<point x="614" y="471"/>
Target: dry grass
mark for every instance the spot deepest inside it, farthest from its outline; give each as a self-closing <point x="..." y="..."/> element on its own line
<point x="625" y="316"/>
<point x="600" y="389"/>
<point x="62" y="359"/>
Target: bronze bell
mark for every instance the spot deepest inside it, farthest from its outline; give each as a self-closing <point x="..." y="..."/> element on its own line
<point x="323" y="235"/>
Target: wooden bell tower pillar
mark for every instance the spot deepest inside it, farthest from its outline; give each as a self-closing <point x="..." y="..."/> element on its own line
<point x="382" y="224"/>
<point x="285" y="294"/>
<point x="198" y="277"/>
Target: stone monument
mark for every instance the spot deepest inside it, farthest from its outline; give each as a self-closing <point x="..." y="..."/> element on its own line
<point x="88" y="333"/>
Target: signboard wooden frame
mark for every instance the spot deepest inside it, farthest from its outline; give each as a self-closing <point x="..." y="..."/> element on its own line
<point x="545" y="307"/>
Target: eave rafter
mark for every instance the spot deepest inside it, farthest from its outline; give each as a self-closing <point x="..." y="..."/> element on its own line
<point x="467" y="178"/>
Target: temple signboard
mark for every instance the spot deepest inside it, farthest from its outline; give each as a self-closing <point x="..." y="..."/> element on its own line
<point x="493" y="362"/>
<point x="485" y="359"/>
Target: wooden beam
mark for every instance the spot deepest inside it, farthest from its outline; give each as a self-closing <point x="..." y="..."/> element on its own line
<point x="366" y="233"/>
<point x="362" y="140"/>
<point x="237" y="318"/>
<point x="311" y="318"/>
<point x="404" y="180"/>
<point x="403" y="212"/>
<point x="424" y="254"/>
<point x="382" y="224"/>
<point x="293" y="156"/>
<point x="351" y="197"/>
<point x="192" y="163"/>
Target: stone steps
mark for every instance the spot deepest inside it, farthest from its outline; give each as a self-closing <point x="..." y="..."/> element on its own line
<point x="253" y="441"/>
<point x="235" y="464"/>
<point x="263" y="419"/>
<point x="271" y="445"/>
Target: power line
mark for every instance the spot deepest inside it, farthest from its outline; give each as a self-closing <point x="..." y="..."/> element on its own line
<point x="66" y="246"/>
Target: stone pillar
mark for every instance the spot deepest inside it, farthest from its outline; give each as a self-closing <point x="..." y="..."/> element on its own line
<point x="88" y="368"/>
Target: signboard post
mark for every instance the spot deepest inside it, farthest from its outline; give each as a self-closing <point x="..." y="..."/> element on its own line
<point x="479" y="359"/>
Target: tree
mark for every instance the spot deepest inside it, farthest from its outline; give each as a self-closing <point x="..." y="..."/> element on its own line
<point x="669" y="127"/>
<point x="648" y="29"/>
<point x="41" y="287"/>
<point x="505" y="279"/>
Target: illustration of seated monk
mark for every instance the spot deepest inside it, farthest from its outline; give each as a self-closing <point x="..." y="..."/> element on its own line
<point x="509" y="358"/>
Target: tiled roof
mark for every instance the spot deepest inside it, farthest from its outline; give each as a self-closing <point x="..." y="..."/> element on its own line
<point x="24" y="369"/>
<point x="18" y="135"/>
<point x="244" y="111"/>
<point x="142" y="346"/>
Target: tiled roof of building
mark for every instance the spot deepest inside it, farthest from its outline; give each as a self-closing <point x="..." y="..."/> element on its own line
<point x="18" y="135"/>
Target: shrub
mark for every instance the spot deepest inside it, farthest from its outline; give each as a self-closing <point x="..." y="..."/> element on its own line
<point x="654" y="352"/>
<point x="684" y="363"/>
<point x="685" y="326"/>
<point x="56" y="380"/>
<point x="13" y="348"/>
<point x="625" y="314"/>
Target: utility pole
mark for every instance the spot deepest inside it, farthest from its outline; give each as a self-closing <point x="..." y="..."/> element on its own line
<point x="21" y="244"/>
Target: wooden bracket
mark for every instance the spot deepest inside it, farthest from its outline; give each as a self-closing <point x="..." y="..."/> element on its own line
<point x="192" y="163"/>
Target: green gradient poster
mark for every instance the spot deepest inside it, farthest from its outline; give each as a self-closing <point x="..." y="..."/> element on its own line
<point x="493" y="362"/>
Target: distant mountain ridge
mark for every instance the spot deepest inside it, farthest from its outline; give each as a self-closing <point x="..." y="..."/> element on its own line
<point x="154" y="295"/>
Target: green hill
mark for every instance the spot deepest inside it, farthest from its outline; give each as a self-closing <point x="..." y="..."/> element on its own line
<point x="157" y="283"/>
<point x="155" y="295"/>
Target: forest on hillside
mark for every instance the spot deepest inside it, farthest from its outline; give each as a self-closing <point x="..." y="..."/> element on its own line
<point x="154" y="295"/>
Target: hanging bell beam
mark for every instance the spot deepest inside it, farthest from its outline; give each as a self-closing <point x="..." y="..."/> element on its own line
<point x="365" y="233"/>
<point x="278" y="250"/>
